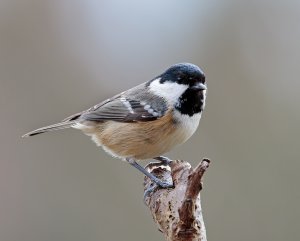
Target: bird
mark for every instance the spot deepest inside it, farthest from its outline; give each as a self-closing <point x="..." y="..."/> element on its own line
<point x="146" y="121"/>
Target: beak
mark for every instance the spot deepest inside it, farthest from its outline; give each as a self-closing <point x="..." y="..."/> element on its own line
<point x="199" y="86"/>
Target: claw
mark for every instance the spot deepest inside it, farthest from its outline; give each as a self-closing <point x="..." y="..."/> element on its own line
<point x="164" y="160"/>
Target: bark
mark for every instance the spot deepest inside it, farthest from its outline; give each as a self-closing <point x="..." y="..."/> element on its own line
<point x="177" y="211"/>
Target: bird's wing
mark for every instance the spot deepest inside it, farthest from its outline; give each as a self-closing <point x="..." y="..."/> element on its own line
<point x="124" y="109"/>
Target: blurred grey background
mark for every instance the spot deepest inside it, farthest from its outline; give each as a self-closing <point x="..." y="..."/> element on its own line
<point x="58" y="57"/>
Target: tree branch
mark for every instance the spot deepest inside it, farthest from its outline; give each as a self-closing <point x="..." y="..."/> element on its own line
<point x="177" y="211"/>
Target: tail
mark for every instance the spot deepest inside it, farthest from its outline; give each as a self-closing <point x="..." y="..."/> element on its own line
<point x="58" y="126"/>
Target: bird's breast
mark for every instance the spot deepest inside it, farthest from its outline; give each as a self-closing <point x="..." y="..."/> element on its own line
<point x="186" y="125"/>
<point x="144" y="140"/>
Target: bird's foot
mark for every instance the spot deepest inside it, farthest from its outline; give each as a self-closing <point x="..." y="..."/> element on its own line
<point x="156" y="182"/>
<point x="164" y="160"/>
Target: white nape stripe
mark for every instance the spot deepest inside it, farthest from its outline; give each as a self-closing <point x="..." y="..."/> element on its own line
<point x="171" y="91"/>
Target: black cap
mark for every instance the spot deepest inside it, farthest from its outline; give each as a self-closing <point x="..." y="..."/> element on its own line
<point x="183" y="73"/>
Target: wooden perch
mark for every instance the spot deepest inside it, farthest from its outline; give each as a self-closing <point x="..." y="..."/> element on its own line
<point x="177" y="211"/>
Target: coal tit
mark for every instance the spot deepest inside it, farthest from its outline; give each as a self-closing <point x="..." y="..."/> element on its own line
<point x="146" y="121"/>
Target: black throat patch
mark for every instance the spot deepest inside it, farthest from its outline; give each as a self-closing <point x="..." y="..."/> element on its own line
<point x="191" y="102"/>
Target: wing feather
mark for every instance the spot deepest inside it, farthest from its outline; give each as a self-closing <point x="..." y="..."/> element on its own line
<point x="131" y="106"/>
<point x="123" y="110"/>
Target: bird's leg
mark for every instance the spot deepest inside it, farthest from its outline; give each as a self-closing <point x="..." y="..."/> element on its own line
<point x="153" y="178"/>
<point x="164" y="160"/>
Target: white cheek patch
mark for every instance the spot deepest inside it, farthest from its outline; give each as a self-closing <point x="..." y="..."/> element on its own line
<point x="169" y="90"/>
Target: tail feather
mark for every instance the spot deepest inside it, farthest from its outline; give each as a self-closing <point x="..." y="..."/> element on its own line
<point x="58" y="126"/>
